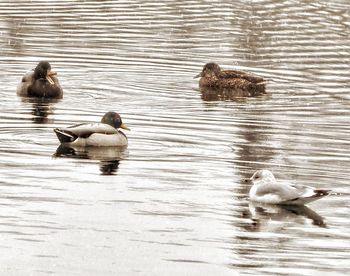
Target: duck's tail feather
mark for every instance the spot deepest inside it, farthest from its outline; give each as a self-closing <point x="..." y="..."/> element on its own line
<point x="64" y="136"/>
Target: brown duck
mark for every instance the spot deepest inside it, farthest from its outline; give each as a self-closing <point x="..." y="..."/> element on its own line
<point x="246" y="84"/>
<point x="40" y="83"/>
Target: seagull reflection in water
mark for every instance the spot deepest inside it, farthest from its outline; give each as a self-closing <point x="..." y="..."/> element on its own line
<point x="261" y="213"/>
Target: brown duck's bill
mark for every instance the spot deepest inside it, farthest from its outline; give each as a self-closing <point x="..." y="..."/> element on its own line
<point x="124" y="126"/>
<point x="51" y="73"/>
<point x="48" y="76"/>
<point x="50" y="80"/>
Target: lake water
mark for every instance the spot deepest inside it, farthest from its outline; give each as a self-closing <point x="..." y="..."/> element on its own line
<point x="173" y="202"/>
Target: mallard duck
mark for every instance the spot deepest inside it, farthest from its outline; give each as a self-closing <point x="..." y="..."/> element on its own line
<point x="265" y="189"/>
<point x="40" y="83"/>
<point x="213" y="77"/>
<point x="106" y="133"/>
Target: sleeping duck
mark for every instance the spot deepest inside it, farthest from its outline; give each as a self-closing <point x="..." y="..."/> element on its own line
<point x="41" y="83"/>
<point x="213" y="77"/>
<point x="106" y="133"/>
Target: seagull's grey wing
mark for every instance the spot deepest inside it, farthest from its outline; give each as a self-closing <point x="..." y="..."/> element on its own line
<point x="283" y="191"/>
<point x="305" y="194"/>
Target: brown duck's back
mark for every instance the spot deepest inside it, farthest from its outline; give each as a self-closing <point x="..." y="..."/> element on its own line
<point x="227" y="74"/>
<point x="234" y="84"/>
<point x="242" y="84"/>
<point x="27" y="80"/>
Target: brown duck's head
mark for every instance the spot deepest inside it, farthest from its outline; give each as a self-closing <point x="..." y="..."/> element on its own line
<point x="43" y="71"/>
<point x="211" y="69"/>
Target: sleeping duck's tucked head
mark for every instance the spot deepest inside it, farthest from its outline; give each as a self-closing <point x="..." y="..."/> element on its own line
<point x="113" y="119"/>
<point x="211" y="69"/>
<point x="43" y="71"/>
<point x="262" y="176"/>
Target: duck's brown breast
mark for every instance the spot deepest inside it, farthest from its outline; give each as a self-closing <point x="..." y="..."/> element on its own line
<point x="43" y="89"/>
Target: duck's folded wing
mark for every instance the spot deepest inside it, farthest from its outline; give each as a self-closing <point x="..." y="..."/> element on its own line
<point x="69" y="134"/>
<point x="85" y="130"/>
<point x="28" y="77"/>
<point x="242" y="83"/>
<point x="241" y="74"/>
<point x="55" y="80"/>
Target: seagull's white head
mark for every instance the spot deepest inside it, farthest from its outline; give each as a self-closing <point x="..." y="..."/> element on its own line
<point x="262" y="177"/>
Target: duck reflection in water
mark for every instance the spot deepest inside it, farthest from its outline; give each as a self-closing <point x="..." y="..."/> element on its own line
<point x="109" y="157"/>
<point x="216" y="84"/>
<point x="41" y="108"/>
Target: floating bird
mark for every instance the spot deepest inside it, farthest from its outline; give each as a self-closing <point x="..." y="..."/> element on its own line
<point x="265" y="189"/>
<point x="106" y="133"/>
<point x="213" y="77"/>
<point x="41" y="83"/>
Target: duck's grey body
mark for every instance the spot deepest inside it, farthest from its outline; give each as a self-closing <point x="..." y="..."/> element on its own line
<point x="97" y="134"/>
<point x="104" y="134"/>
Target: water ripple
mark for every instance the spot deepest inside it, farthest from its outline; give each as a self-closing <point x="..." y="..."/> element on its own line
<point x="177" y="191"/>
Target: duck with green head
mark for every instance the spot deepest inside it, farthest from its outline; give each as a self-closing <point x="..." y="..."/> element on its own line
<point x="106" y="133"/>
<point x="213" y="77"/>
<point x="40" y="83"/>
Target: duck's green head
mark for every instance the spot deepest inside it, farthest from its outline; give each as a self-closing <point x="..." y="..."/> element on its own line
<point x="43" y="71"/>
<point x="209" y="70"/>
<point x="113" y="119"/>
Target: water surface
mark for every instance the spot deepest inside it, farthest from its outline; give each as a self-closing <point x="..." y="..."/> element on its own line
<point x="173" y="202"/>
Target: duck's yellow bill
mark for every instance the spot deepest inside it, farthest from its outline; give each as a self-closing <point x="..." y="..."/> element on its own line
<point x="51" y="73"/>
<point x="124" y="126"/>
<point x="50" y="80"/>
<point x="48" y="76"/>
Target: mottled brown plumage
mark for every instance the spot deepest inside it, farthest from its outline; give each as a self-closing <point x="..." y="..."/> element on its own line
<point x="245" y="83"/>
<point x="40" y="83"/>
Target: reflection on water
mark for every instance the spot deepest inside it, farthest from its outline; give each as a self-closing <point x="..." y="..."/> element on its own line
<point x="224" y="94"/>
<point x="109" y="167"/>
<point x="261" y="213"/>
<point x="41" y="109"/>
<point x="173" y="203"/>
<point x="94" y="153"/>
<point x="109" y="157"/>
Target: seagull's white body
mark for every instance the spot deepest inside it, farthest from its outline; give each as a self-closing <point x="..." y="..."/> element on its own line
<point x="265" y="189"/>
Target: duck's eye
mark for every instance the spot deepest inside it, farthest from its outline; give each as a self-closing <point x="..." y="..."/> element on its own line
<point x="256" y="177"/>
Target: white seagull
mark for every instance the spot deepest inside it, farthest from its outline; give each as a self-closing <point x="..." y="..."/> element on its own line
<point x="265" y="189"/>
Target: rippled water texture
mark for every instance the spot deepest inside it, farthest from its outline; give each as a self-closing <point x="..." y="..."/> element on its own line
<point x="173" y="202"/>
